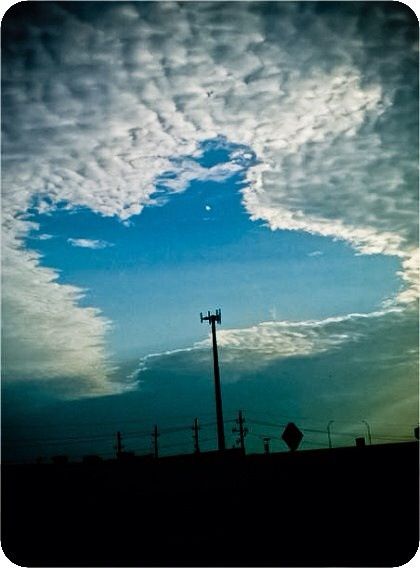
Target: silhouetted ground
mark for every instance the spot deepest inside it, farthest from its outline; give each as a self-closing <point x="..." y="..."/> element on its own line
<point x="341" y="507"/>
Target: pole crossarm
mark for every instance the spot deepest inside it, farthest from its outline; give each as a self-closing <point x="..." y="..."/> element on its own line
<point x="217" y="317"/>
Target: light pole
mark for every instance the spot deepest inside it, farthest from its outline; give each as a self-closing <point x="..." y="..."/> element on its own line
<point x="329" y="433"/>
<point x="368" y="431"/>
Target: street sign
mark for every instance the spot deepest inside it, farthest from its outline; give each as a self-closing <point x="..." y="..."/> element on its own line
<point x="292" y="436"/>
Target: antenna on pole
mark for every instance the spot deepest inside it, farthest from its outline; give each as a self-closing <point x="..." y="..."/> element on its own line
<point x="213" y="319"/>
<point x="209" y="317"/>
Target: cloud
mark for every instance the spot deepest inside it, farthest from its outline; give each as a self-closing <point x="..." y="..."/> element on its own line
<point x="282" y="339"/>
<point x="315" y="253"/>
<point x="89" y="243"/>
<point x="325" y="134"/>
<point x="186" y="171"/>
<point x="359" y="366"/>
<point x="45" y="335"/>
<point x="102" y="103"/>
<point x="256" y="346"/>
<point x="312" y="124"/>
<point x="373" y="375"/>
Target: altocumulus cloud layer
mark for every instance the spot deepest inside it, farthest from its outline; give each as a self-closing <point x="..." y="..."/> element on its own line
<point x="255" y="348"/>
<point x="100" y="100"/>
<point x="345" y="368"/>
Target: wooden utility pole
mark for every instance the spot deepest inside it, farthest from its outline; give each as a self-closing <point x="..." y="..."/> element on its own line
<point x="196" y="428"/>
<point x="155" y="436"/>
<point x="242" y="431"/>
<point x="213" y="319"/>
<point x="329" y="433"/>
<point x="119" y="447"/>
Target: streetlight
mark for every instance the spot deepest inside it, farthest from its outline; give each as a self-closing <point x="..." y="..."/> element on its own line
<point x="368" y="431"/>
<point x="329" y="433"/>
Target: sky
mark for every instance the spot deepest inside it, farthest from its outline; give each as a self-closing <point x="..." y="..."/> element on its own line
<point x="162" y="159"/>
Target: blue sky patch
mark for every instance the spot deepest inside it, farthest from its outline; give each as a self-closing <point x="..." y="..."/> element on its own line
<point x="199" y="250"/>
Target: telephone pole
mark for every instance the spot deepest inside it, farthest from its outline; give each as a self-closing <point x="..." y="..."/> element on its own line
<point x="196" y="428"/>
<point x="241" y="430"/>
<point x="212" y="319"/>
<point x="369" y="431"/>
<point x="329" y="433"/>
<point x="155" y="436"/>
<point x="119" y="447"/>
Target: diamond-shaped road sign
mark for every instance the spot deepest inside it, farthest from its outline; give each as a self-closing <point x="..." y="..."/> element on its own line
<point x="292" y="436"/>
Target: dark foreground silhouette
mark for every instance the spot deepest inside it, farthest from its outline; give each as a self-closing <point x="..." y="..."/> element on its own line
<point x="341" y="507"/>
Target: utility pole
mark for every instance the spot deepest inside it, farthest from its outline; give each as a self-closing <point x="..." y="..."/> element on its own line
<point x="212" y="319"/>
<point x="369" y="431"/>
<point x="155" y="436"/>
<point x="119" y="447"/>
<point x="196" y="428"/>
<point x="329" y="433"/>
<point x="241" y="430"/>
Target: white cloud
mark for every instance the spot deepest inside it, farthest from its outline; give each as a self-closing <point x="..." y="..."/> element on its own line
<point x="259" y="345"/>
<point x="315" y="253"/>
<point x="189" y="170"/>
<point x="45" y="335"/>
<point x="119" y="97"/>
<point x="349" y="368"/>
<point x="89" y="243"/>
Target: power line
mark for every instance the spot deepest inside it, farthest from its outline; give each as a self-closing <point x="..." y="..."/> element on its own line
<point x="50" y="442"/>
